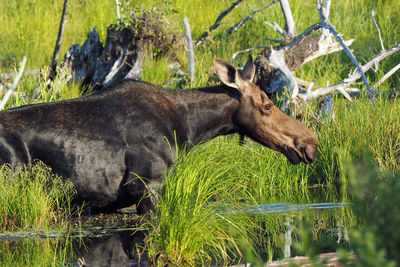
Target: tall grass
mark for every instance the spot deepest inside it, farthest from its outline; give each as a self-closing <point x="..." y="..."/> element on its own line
<point x="221" y="171"/>
<point x="32" y="198"/>
<point x="189" y="226"/>
<point x="375" y="242"/>
<point x="187" y="203"/>
<point x="30" y="27"/>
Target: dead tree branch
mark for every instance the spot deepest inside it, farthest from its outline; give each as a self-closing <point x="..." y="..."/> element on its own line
<point x="245" y="51"/>
<point x="245" y="19"/>
<point x="342" y="86"/>
<point x="276" y="28"/>
<point x="275" y="66"/>
<point x="386" y="76"/>
<point x="290" y="28"/>
<point x="14" y="85"/>
<point x="342" y="43"/>
<point x="218" y="21"/>
<point x="118" y="13"/>
<point x="53" y="65"/>
<point x="379" y="30"/>
<point x="190" y="52"/>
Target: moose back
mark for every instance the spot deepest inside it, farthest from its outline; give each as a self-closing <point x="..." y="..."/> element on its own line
<point x="102" y="142"/>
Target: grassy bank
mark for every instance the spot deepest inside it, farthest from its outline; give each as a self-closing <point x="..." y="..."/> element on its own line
<point x="189" y="226"/>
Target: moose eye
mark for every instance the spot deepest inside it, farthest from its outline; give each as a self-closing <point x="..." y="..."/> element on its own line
<point x="268" y="107"/>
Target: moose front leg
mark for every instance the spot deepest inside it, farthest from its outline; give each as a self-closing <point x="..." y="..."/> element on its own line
<point x="150" y="199"/>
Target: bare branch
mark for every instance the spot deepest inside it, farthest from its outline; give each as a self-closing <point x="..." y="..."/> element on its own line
<point x="190" y="46"/>
<point x="218" y="21"/>
<point x="14" y="85"/>
<point x="342" y="86"/>
<point x="245" y="51"/>
<point x="53" y="65"/>
<point x="379" y="30"/>
<point x="118" y="14"/>
<point x="290" y="28"/>
<point x="375" y="61"/>
<point x="242" y="21"/>
<point x="323" y="11"/>
<point x="311" y="85"/>
<point x="339" y="38"/>
<point x="277" y="60"/>
<point x="386" y="76"/>
<point x="276" y="28"/>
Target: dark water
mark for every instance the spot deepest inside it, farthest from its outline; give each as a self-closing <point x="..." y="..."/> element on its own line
<point x="111" y="247"/>
<point x="116" y="248"/>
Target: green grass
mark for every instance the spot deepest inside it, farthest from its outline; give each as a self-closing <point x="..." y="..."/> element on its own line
<point x="35" y="252"/>
<point x="33" y="198"/>
<point x="186" y="228"/>
<point x="30" y="27"/>
<point x="222" y="169"/>
<point x="187" y="204"/>
<point x="376" y="240"/>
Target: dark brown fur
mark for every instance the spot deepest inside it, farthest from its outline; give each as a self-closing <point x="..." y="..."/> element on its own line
<point x="103" y="142"/>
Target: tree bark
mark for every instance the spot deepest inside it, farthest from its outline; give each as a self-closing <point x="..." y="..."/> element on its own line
<point x="122" y="55"/>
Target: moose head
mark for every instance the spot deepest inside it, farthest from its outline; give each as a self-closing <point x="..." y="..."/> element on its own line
<point x="258" y="118"/>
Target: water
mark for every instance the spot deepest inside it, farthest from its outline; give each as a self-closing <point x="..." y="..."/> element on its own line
<point x="117" y="248"/>
<point x="113" y="247"/>
<point x="288" y="207"/>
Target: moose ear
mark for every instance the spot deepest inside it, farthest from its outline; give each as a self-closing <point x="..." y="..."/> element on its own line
<point x="227" y="73"/>
<point x="249" y="69"/>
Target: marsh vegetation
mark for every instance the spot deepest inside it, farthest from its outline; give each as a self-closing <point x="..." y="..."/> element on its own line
<point x="203" y="217"/>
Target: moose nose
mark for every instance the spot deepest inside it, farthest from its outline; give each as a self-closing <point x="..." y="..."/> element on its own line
<point x="309" y="153"/>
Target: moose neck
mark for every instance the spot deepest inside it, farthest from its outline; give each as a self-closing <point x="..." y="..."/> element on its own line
<point x="209" y="112"/>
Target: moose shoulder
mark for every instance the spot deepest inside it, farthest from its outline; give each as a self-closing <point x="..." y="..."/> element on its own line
<point x="102" y="142"/>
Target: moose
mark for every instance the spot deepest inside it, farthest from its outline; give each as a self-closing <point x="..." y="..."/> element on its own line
<point x="104" y="141"/>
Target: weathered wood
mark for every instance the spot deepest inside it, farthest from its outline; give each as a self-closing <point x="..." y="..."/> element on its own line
<point x="190" y="52"/>
<point x="121" y="56"/>
<point x="103" y="66"/>
<point x="53" y="65"/>
<point x="14" y="85"/>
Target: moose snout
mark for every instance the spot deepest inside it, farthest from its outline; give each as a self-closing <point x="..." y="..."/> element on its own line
<point x="309" y="153"/>
<point x="306" y="148"/>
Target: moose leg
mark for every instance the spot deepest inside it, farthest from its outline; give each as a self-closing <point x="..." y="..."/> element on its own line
<point x="145" y="205"/>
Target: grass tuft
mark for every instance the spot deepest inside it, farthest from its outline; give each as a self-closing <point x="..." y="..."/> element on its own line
<point x="32" y="197"/>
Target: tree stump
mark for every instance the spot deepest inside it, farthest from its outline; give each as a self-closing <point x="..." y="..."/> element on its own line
<point x="122" y="55"/>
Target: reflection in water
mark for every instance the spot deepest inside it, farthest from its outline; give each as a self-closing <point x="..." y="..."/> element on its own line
<point x="110" y="249"/>
<point x="279" y="224"/>
<point x="115" y="249"/>
<point x="286" y="207"/>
